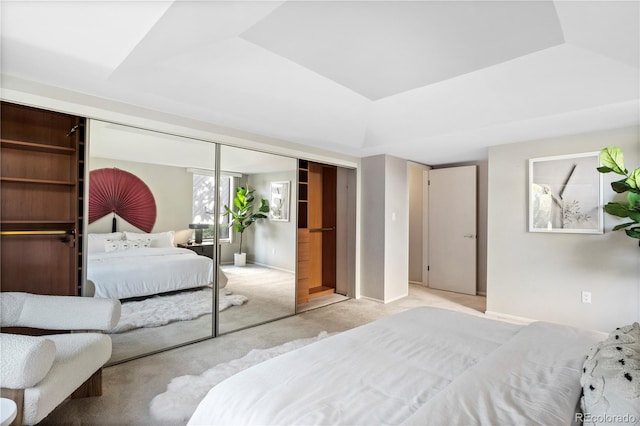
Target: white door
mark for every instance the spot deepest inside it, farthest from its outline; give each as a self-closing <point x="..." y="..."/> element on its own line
<point x="452" y="229"/>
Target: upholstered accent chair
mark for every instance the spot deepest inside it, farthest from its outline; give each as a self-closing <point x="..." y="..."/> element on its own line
<point x="40" y="372"/>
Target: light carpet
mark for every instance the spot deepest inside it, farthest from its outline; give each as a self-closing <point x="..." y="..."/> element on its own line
<point x="161" y="310"/>
<point x="184" y="393"/>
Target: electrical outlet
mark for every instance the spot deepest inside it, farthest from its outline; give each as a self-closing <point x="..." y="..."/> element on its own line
<point x="586" y="297"/>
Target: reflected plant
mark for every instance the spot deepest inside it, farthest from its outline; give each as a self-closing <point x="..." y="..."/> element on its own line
<point x="243" y="216"/>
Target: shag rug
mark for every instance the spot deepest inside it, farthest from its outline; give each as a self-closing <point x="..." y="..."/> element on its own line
<point x="178" y="403"/>
<point x="161" y="310"/>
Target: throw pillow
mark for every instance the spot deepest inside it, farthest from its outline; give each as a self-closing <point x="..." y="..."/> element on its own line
<point x="611" y="379"/>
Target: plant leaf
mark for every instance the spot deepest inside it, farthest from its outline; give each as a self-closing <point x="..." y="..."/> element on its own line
<point x="634" y="201"/>
<point x="634" y="215"/>
<point x="633" y="232"/>
<point x="617" y="209"/>
<point x="620" y="186"/>
<point x="624" y="225"/>
<point x="634" y="179"/>
<point x="604" y="169"/>
<point x="613" y="158"/>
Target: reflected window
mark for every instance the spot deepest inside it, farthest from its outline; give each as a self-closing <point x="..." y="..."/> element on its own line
<point x="204" y="192"/>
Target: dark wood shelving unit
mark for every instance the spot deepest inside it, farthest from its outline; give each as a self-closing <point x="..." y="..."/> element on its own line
<point x="41" y="197"/>
<point x="317" y="188"/>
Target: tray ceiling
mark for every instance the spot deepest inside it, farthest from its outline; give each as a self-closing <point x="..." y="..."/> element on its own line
<point x="432" y="81"/>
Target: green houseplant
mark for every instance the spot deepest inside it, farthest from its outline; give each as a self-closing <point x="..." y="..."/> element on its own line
<point x="612" y="160"/>
<point x="243" y="216"/>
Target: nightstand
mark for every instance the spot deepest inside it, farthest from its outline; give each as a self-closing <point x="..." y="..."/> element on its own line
<point x="203" y="249"/>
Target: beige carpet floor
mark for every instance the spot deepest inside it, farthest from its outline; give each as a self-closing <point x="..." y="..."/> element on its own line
<point x="129" y="387"/>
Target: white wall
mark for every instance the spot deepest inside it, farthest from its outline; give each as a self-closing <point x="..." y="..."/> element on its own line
<point x="385" y="228"/>
<point x="273" y="243"/>
<point x="541" y="275"/>
<point x="172" y="188"/>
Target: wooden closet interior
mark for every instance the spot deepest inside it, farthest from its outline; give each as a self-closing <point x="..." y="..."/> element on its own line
<point x="41" y="191"/>
<point x="317" y="186"/>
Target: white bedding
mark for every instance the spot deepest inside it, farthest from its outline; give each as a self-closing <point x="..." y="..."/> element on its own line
<point x="147" y="271"/>
<point x="424" y="366"/>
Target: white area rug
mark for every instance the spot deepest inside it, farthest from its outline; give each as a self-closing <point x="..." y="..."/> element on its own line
<point x="177" y="404"/>
<point x="160" y="310"/>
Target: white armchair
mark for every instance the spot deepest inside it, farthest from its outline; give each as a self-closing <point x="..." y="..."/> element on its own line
<point x="40" y="372"/>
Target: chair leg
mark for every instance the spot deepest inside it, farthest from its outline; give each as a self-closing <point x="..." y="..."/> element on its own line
<point x="17" y="395"/>
<point x="92" y="387"/>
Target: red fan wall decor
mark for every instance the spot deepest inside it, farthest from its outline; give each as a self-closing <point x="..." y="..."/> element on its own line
<point x="123" y="193"/>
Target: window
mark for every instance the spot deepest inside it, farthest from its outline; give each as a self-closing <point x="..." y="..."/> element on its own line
<point x="204" y="191"/>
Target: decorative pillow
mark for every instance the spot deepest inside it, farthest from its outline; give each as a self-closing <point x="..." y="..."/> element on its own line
<point x="158" y="240"/>
<point x="611" y="379"/>
<point x="119" y="245"/>
<point x="95" y="242"/>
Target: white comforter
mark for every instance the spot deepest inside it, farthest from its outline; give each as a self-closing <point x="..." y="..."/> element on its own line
<point x="146" y="271"/>
<point x="424" y="366"/>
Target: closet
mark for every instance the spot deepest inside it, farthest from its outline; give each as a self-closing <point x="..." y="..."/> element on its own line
<point x="317" y="186"/>
<point x="41" y="200"/>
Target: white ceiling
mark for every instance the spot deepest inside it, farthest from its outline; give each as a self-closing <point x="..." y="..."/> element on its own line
<point x="431" y="81"/>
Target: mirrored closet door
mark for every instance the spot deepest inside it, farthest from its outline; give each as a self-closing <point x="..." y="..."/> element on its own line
<point x="257" y="265"/>
<point x="151" y="205"/>
<point x="153" y="210"/>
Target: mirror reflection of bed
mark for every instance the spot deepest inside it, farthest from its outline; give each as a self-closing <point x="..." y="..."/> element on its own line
<point x="164" y="278"/>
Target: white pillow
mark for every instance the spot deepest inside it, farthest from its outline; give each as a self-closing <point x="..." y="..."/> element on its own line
<point x="119" y="245"/>
<point x="95" y="242"/>
<point x="611" y="379"/>
<point x="158" y="240"/>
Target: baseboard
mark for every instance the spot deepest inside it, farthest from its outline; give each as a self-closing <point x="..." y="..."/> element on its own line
<point x="370" y="298"/>
<point x="383" y="301"/>
<point x="416" y="282"/>
<point x="272" y="267"/>
<point x="259" y="264"/>
<point x="481" y="293"/>
<point x="509" y="318"/>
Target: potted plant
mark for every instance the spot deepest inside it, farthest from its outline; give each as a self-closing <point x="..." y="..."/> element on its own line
<point x="612" y="161"/>
<point x="243" y="216"/>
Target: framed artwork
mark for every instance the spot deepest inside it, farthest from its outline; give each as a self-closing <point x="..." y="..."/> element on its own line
<point x="279" y="205"/>
<point x="565" y="194"/>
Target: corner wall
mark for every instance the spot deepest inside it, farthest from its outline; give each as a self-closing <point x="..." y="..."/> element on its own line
<point x="385" y="228"/>
<point x="541" y="275"/>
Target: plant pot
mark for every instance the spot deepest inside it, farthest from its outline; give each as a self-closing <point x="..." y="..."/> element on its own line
<point x="239" y="259"/>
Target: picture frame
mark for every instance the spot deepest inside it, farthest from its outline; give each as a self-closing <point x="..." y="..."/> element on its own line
<point x="280" y="203"/>
<point x="565" y="194"/>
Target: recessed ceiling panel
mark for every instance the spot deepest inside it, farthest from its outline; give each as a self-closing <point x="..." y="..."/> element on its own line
<point x="97" y="32"/>
<point x="379" y="49"/>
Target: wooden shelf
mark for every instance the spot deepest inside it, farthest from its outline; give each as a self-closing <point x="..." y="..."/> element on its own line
<point x="37" y="222"/>
<point x="320" y="291"/>
<point x="39" y="147"/>
<point x="37" y="181"/>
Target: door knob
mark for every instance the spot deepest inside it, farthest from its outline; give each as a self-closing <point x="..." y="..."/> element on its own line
<point x="470" y="236"/>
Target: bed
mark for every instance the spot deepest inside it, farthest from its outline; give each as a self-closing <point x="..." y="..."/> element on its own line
<point x="423" y="366"/>
<point x="128" y="268"/>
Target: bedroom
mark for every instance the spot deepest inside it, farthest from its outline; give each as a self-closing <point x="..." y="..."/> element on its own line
<point x="528" y="275"/>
